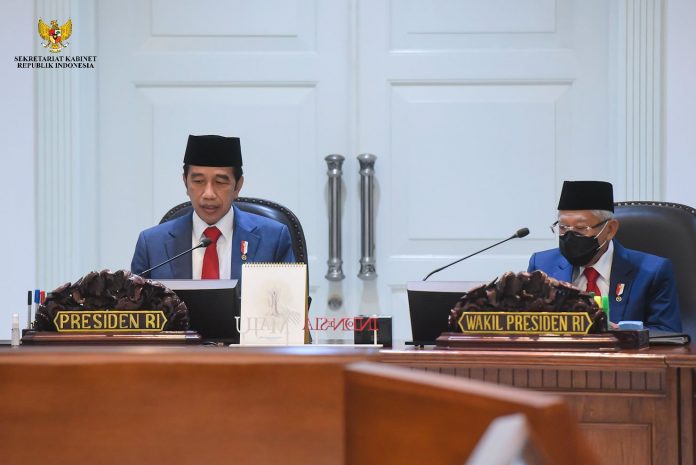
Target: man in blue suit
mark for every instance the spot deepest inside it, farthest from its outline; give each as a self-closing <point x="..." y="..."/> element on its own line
<point x="213" y="178"/>
<point x="640" y="286"/>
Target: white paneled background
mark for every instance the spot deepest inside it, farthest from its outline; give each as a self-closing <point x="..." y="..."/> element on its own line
<point x="18" y="185"/>
<point x="477" y="111"/>
<point x="276" y="74"/>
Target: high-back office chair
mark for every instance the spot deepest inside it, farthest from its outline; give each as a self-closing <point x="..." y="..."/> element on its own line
<point x="668" y="230"/>
<point x="260" y="207"/>
<point x="271" y="210"/>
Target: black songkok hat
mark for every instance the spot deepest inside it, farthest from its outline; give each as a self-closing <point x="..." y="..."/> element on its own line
<point x="586" y="195"/>
<point x="213" y="151"/>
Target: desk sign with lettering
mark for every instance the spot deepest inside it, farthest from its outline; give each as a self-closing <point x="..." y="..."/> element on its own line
<point x="86" y="321"/>
<point x="525" y="323"/>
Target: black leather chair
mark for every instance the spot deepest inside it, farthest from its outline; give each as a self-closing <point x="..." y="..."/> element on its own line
<point x="269" y="210"/>
<point x="668" y="230"/>
<point x="260" y="207"/>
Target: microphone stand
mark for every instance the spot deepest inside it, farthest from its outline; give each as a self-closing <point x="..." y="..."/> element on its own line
<point x="521" y="233"/>
<point x="205" y="242"/>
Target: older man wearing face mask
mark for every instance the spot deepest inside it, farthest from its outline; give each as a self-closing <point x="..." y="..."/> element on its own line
<point x="640" y="286"/>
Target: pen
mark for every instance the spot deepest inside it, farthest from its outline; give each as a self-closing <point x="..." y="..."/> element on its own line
<point x="37" y="299"/>
<point x="29" y="300"/>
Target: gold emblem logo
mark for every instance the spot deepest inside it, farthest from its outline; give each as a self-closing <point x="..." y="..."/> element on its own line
<point x="54" y="35"/>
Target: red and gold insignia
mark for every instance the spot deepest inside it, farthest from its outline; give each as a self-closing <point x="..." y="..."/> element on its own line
<point x="55" y="35"/>
<point x="619" y="291"/>
<point x="244" y="248"/>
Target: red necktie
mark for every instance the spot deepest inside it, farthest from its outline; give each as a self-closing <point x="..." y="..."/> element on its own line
<point x="211" y="264"/>
<point x="591" y="274"/>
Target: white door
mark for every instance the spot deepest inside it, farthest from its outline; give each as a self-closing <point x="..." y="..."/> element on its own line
<point x="476" y="110"/>
<point x="275" y="73"/>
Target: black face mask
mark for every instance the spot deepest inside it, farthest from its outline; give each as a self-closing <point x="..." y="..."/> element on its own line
<point x="579" y="249"/>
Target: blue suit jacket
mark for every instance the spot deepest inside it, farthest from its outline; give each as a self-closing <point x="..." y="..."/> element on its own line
<point x="650" y="291"/>
<point x="269" y="241"/>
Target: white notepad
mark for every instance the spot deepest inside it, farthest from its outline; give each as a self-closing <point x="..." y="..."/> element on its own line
<point x="274" y="304"/>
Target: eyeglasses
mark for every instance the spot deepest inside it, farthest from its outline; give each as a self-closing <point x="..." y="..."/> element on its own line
<point x="561" y="229"/>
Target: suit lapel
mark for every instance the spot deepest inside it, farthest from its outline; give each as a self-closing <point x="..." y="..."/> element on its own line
<point x="564" y="271"/>
<point x="180" y="240"/>
<point x="622" y="272"/>
<point x="244" y="230"/>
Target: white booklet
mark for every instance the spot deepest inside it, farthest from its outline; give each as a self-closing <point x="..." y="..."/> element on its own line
<point x="274" y="304"/>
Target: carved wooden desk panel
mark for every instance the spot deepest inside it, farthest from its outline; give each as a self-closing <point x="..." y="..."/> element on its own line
<point x="686" y="365"/>
<point x="636" y="407"/>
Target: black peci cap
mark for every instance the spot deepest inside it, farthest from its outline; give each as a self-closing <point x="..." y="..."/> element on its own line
<point x="586" y="195"/>
<point x="213" y="151"/>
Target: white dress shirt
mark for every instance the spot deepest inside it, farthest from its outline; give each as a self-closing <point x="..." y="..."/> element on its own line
<point x="224" y="244"/>
<point x="603" y="267"/>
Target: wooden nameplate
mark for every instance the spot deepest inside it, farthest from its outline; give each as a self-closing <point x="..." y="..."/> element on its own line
<point x="609" y="341"/>
<point x="93" y="337"/>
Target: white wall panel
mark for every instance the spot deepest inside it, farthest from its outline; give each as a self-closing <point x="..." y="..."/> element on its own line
<point x="641" y="105"/>
<point x="18" y="187"/>
<point x="467" y="24"/>
<point x="239" y="110"/>
<point x="225" y="18"/>
<point x="65" y="162"/>
<point x="224" y="26"/>
<point x="467" y="143"/>
<point x="680" y="103"/>
<point x="473" y="16"/>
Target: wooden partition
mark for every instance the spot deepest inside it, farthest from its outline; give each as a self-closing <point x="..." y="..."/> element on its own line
<point x="171" y="407"/>
<point x="399" y="417"/>
<point x="204" y="406"/>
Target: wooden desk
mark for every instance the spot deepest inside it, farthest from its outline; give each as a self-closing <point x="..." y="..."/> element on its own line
<point x="200" y="405"/>
<point x="174" y="405"/>
<point x="635" y="407"/>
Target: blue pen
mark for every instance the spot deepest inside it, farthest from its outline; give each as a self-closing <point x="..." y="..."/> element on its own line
<point x="37" y="301"/>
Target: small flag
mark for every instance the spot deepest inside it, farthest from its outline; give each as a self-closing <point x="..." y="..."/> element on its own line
<point x="244" y="249"/>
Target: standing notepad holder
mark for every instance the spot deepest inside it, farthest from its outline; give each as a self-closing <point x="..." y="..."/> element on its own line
<point x="274" y="304"/>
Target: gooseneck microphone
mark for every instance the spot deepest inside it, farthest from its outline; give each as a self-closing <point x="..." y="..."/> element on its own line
<point x="205" y="242"/>
<point x="520" y="233"/>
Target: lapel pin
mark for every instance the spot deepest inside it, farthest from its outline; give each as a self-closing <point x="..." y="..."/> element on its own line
<point x="244" y="249"/>
<point x="619" y="291"/>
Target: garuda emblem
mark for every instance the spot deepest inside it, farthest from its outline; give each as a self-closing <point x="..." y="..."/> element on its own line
<point x="54" y="35"/>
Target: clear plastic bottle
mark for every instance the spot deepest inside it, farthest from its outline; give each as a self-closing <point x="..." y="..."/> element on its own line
<point x="15" y="330"/>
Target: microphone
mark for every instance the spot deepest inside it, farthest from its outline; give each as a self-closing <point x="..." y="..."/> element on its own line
<point x="520" y="233"/>
<point x="205" y="242"/>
